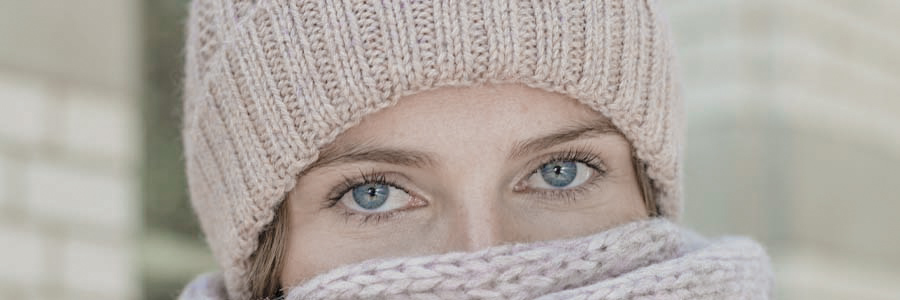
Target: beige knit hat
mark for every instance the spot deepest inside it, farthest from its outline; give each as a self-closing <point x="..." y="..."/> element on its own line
<point x="269" y="82"/>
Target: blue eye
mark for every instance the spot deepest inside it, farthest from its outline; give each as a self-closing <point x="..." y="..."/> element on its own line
<point x="374" y="197"/>
<point x="560" y="175"/>
<point x="371" y="195"/>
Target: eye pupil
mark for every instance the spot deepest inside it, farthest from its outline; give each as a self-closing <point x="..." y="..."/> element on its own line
<point x="371" y="196"/>
<point x="559" y="174"/>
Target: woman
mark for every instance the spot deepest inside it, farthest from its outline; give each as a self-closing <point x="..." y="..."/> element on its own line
<point x="444" y="149"/>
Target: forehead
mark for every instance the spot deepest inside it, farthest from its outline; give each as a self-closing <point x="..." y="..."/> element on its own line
<point x="488" y="115"/>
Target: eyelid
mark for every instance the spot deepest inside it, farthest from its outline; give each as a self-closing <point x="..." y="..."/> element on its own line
<point x="348" y="201"/>
<point x="334" y="197"/>
<point x="364" y="177"/>
<point x="581" y="154"/>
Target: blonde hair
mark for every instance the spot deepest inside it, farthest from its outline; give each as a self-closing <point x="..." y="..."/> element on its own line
<point x="266" y="262"/>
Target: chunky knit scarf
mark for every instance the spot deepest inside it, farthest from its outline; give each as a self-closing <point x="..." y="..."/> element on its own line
<point x="648" y="259"/>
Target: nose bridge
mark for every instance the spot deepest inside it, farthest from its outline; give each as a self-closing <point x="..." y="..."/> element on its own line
<point x="478" y="220"/>
<point x="475" y="187"/>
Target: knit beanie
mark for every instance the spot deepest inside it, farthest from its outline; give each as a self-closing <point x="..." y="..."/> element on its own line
<point x="270" y="82"/>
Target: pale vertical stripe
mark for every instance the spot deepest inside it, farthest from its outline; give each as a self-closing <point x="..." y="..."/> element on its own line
<point x="528" y="40"/>
<point x="412" y="42"/>
<point x="311" y="86"/>
<point x="345" y="33"/>
<point x="630" y="51"/>
<point x="515" y="39"/>
<point x="613" y="58"/>
<point x="288" y="82"/>
<point x="478" y="36"/>
<point x="266" y="92"/>
<point x="237" y="119"/>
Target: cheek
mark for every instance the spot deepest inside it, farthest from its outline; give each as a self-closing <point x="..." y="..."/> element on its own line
<point x="314" y="247"/>
<point x="306" y="253"/>
<point x="613" y="209"/>
<point x="320" y="244"/>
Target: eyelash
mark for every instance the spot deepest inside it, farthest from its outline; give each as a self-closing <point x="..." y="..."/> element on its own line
<point x="350" y="183"/>
<point x="570" y="195"/>
<point x="577" y="155"/>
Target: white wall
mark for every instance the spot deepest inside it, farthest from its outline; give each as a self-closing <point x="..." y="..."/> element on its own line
<point x="69" y="149"/>
<point x="794" y="136"/>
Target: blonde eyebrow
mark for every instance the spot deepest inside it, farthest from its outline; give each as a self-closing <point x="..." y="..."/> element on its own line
<point x="334" y="155"/>
<point x="571" y="133"/>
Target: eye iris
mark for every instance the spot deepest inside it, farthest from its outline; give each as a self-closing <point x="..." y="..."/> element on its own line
<point x="370" y="196"/>
<point x="559" y="174"/>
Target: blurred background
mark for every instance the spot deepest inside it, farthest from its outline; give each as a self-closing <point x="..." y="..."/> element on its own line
<point x="793" y="139"/>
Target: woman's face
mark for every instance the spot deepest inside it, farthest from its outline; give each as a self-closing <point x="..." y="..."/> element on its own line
<point x="460" y="169"/>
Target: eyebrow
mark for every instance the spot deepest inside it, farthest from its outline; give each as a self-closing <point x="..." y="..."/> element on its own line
<point x="596" y="126"/>
<point x="334" y="155"/>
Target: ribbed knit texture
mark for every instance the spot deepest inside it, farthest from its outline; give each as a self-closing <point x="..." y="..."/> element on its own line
<point x="648" y="259"/>
<point x="269" y="82"/>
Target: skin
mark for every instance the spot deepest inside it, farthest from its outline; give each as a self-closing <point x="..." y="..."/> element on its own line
<point x="475" y="186"/>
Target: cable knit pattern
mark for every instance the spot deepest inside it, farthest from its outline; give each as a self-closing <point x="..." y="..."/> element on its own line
<point x="648" y="259"/>
<point x="269" y="82"/>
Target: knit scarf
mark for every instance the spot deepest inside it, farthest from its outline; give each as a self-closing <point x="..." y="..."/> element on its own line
<point x="647" y="259"/>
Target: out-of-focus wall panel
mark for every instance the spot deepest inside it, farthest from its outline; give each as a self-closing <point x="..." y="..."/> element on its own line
<point x="94" y="41"/>
<point x="794" y="136"/>
<point x="69" y="144"/>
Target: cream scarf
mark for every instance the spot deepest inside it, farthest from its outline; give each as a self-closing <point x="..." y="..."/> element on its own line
<point x="648" y="259"/>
